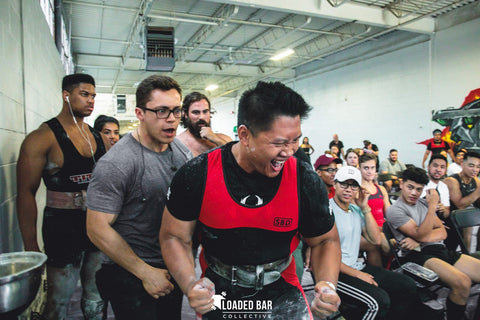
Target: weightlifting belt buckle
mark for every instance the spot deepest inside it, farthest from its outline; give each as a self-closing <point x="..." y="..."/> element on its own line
<point x="234" y="281"/>
<point x="79" y="200"/>
<point x="259" y="277"/>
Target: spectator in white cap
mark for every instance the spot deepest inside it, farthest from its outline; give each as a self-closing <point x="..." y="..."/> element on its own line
<point x="375" y="292"/>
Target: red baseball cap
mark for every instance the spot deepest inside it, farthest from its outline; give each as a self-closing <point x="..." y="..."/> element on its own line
<point x="325" y="160"/>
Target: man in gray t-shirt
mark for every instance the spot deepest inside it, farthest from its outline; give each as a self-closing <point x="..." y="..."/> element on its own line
<point x="416" y="224"/>
<point x="125" y="202"/>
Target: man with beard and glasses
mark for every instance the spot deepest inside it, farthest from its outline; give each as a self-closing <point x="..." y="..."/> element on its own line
<point x="199" y="136"/>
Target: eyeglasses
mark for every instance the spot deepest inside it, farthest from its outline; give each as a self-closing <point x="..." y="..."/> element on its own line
<point x="329" y="170"/>
<point x="345" y="185"/>
<point x="164" y="113"/>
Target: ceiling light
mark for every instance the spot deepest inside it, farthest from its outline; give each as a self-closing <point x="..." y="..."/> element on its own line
<point x="282" y="54"/>
<point x="211" y="87"/>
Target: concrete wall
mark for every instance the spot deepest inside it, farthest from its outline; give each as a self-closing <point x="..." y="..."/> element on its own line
<point x="30" y="93"/>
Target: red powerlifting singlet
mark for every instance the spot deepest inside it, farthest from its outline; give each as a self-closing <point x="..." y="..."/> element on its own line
<point x="220" y="211"/>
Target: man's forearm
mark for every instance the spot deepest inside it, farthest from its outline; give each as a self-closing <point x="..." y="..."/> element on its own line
<point x="426" y="228"/>
<point x="325" y="261"/>
<point x="179" y="260"/>
<point x="216" y="139"/>
<point x="467" y="200"/>
<point x="437" y="234"/>
<point x="372" y="229"/>
<point x="116" y="248"/>
<point x="27" y="220"/>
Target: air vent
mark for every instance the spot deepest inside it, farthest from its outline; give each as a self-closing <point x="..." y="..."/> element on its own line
<point x="160" y="49"/>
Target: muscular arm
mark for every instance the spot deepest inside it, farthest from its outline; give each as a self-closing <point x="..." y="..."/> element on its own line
<point x="431" y="229"/>
<point x="176" y="244"/>
<point x="101" y="233"/>
<point x="31" y="162"/>
<point x="456" y="195"/>
<point x="370" y="231"/>
<point x="325" y="259"/>
<point x="218" y="139"/>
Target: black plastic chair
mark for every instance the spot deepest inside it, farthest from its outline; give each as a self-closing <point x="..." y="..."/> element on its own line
<point x="462" y="219"/>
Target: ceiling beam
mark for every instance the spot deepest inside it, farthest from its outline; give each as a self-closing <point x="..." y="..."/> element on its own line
<point x="370" y="15"/>
<point x="114" y="63"/>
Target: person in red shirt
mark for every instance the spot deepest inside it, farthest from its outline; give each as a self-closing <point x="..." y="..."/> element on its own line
<point x="326" y="167"/>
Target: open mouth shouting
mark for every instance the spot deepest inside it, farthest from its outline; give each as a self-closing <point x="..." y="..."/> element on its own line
<point x="277" y="165"/>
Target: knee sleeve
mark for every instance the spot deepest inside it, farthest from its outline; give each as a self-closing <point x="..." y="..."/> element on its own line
<point x="93" y="310"/>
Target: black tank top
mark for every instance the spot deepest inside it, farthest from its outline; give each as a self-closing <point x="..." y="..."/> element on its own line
<point x="77" y="169"/>
<point x="465" y="189"/>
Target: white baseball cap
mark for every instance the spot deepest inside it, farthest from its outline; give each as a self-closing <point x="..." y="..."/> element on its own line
<point x="349" y="173"/>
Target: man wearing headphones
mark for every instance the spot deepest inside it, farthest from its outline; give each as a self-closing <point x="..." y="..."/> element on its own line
<point x="63" y="151"/>
<point x="126" y="198"/>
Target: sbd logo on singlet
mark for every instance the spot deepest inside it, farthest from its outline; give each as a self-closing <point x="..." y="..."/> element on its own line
<point x="282" y="222"/>
<point x="81" y="178"/>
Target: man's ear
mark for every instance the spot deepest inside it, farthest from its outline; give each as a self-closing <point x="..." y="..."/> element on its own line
<point x="243" y="134"/>
<point x="139" y="113"/>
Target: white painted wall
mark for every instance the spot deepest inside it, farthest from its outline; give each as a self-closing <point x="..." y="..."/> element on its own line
<point x="388" y="99"/>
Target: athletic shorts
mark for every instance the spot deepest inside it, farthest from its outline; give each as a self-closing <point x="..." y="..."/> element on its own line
<point x="433" y="251"/>
<point x="65" y="236"/>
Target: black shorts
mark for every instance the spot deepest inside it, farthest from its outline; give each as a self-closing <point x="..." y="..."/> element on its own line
<point x="438" y="251"/>
<point x="65" y="236"/>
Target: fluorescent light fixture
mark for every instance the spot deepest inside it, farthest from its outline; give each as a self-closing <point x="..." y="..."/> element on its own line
<point x="211" y="87"/>
<point x="156" y="16"/>
<point x="282" y="54"/>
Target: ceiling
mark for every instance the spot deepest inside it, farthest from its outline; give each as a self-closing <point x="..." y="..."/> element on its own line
<point x="229" y="43"/>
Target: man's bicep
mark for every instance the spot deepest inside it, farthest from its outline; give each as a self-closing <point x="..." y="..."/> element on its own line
<point x="175" y="228"/>
<point x="31" y="162"/>
<point x="331" y="235"/>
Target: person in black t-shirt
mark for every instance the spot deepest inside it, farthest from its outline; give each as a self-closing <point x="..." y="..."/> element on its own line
<point x="250" y="200"/>
<point x="338" y="144"/>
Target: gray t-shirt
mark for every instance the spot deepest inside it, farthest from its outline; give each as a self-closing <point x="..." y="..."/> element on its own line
<point x="125" y="175"/>
<point x="386" y="165"/>
<point x="400" y="213"/>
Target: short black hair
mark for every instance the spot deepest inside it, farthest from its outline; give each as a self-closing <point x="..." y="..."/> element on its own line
<point x="72" y="81"/>
<point x="437" y="156"/>
<point x="393" y="150"/>
<point x="436" y="131"/>
<point x="415" y="174"/>
<point x="471" y="154"/>
<point x="102" y="119"/>
<point x="151" y="83"/>
<point x="189" y="100"/>
<point x="461" y="150"/>
<point x="367" y="157"/>
<point x="258" y="107"/>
